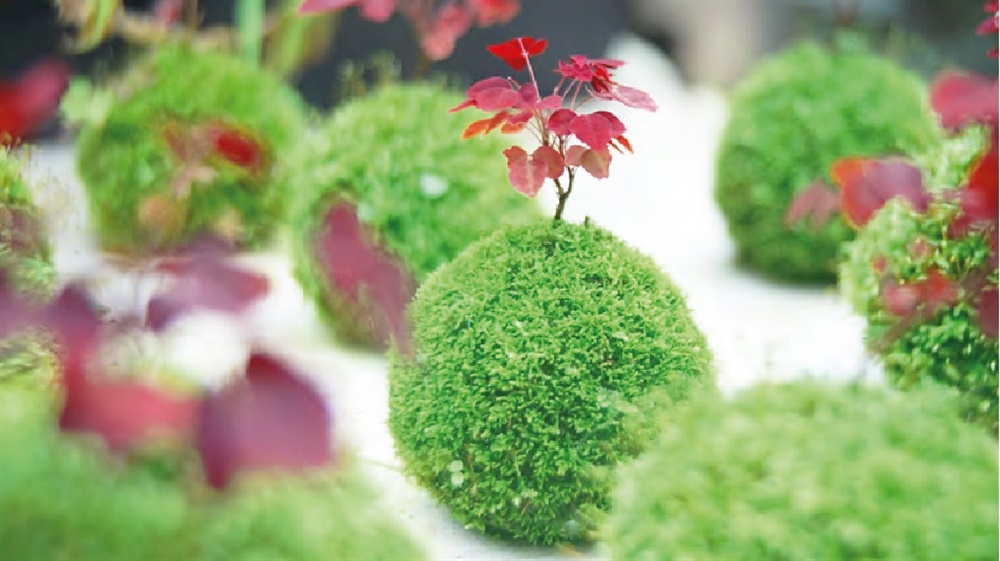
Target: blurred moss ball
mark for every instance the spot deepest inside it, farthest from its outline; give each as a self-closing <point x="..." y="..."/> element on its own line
<point x="542" y="357"/>
<point x="809" y="470"/>
<point x="188" y="143"/>
<point x="789" y="121"/>
<point x="393" y="162"/>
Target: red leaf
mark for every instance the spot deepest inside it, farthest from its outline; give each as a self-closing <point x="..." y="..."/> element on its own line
<point x="513" y="128"/>
<point x="450" y="23"/>
<point x="553" y="101"/>
<point x="31" y="100"/>
<point x="617" y="127"/>
<point x="593" y="129"/>
<point x="979" y="199"/>
<point x="527" y="175"/>
<point x="378" y="11"/>
<point x="560" y="120"/>
<point x="490" y="12"/>
<point x="496" y="98"/>
<point x="320" y="6"/>
<point x="517" y="51"/>
<point x="986" y="313"/>
<point x="373" y="281"/>
<point x="123" y="412"/>
<point x="271" y="419"/>
<point x="238" y="147"/>
<point x="962" y="99"/>
<point x="927" y="295"/>
<point x="621" y="140"/>
<point x="866" y="184"/>
<point x="203" y="280"/>
<point x="554" y="164"/>
<point x="631" y="97"/>
<point x="596" y="162"/>
<point x="818" y="201"/>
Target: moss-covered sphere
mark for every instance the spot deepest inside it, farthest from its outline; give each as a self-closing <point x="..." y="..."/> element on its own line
<point x="789" y="121"/>
<point x="949" y="347"/>
<point x="422" y="194"/>
<point x="154" y="169"/>
<point x="811" y="471"/>
<point x="61" y="498"/>
<point x="541" y="356"/>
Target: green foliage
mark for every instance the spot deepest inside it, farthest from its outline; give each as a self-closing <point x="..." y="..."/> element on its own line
<point x="790" y="120"/>
<point x="64" y="498"/>
<point x="811" y="471"/>
<point x="123" y="158"/>
<point x="543" y="355"/>
<point x="949" y="348"/>
<point x="423" y="192"/>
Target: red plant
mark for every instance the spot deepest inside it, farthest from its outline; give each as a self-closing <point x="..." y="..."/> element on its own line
<point x="437" y="28"/>
<point x="516" y="107"/>
<point x="991" y="24"/>
<point x="31" y="100"/>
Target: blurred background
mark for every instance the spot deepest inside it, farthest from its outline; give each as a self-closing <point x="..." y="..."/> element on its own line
<point x="711" y="42"/>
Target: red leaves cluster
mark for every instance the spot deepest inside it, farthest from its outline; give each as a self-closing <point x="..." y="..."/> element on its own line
<point x="867" y="184"/>
<point x="289" y="425"/>
<point x="437" y="28"/>
<point x="518" y="106"/>
<point x="200" y="148"/>
<point x="375" y="283"/>
<point x="30" y="101"/>
<point x="991" y="24"/>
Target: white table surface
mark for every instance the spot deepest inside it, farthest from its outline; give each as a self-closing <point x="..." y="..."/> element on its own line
<point x="658" y="200"/>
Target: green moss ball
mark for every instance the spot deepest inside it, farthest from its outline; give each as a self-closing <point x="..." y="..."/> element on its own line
<point x="811" y="471"/>
<point x="948" y="347"/>
<point x="541" y="355"/>
<point x="421" y="193"/>
<point x="789" y="121"/>
<point x="146" y="196"/>
<point x="64" y="499"/>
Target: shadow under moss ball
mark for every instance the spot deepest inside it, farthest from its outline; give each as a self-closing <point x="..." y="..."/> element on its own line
<point x="811" y="471"/>
<point x="387" y="191"/>
<point x="193" y="143"/>
<point x="789" y="121"/>
<point x="542" y="356"/>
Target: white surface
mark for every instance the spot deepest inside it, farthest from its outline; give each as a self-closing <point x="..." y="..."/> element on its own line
<point x="659" y="200"/>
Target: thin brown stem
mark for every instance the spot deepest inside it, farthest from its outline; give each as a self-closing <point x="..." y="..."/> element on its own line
<point x="563" y="195"/>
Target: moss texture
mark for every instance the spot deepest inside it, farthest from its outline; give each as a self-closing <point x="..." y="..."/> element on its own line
<point x="423" y="193"/>
<point x="125" y="161"/>
<point x="811" y="471"/>
<point x="64" y="499"/>
<point x="789" y="121"/>
<point x="541" y="355"/>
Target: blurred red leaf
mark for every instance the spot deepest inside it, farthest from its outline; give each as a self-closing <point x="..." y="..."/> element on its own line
<point x="866" y="184"/>
<point x="926" y="296"/>
<point x="526" y="174"/>
<point x="961" y="99"/>
<point x="270" y="419"/>
<point x="372" y="10"/>
<point x="31" y="100"/>
<point x="372" y="280"/>
<point x="168" y="12"/>
<point x="491" y="12"/>
<point x="203" y="280"/>
<point x="450" y="22"/>
<point x="238" y="147"/>
<point x="596" y="162"/>
<point x="818" y="202"/>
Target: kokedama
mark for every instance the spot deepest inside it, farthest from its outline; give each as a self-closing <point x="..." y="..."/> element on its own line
<point x="789" y="120"/>
<point x="809" y="470"/>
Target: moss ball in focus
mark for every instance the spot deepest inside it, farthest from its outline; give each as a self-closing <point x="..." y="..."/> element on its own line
<point x="541" y="357"/>
<point x="395" y="162"/>
<point x="811" y="471"/>
<point x="789" y="121"/>
<point x="193" y="142"/>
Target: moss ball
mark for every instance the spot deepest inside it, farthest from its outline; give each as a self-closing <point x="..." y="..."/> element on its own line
<point x="193" y="142"/>
<point x="811" y="471"/>
<point x="63" y="498"/>
<point x="395" y="161"/>
<point x="541" y="356"/>
<point x="949" y="347"/>
<point x="789" y="121"/>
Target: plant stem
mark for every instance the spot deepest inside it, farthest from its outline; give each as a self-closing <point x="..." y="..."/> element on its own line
<point x="250" y="28"/>
<point x="563" y="196"/>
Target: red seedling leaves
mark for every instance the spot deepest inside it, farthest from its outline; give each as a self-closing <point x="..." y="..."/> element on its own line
<point x="560" y="120"/>
<point x="516" y="52"/>
<point x="925" y="296"/>
<point x="526" y="174"/>
<point x="987" y="314"/>
<point x="270" y="419"/>
<point x="991" y="24"/>
<point x="450" y="22"/>
<point x="818" y="202"/>
<point x="866" y="184"/>
<point x="485" y="126"/>
<point x="367" y="275"/>
<point x="491" y="94"/>
<point x="491" y="12"/>
<point x="372" y="10"/>
<point x="596" y="162"/>
<point x="595" y="129"/>
<point x="203" y="280"/>
<point x="238" y="147"/>
<point x="630" y="97"/>
<point x="553" y="160"/>
<point x="962" y="99"/>
<point x="30" y="101"/>
<point x="123" y="413"/>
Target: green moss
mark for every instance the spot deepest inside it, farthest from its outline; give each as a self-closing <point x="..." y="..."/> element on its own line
<point x="124" y="160"/>
<point x="63" y="498"/>
<point x="789" y="121"/>
<point x="422" y="191"/>
<point x="811" y="471"/>
<point x="542" y="354"/>
<point x="948" y="348"/>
